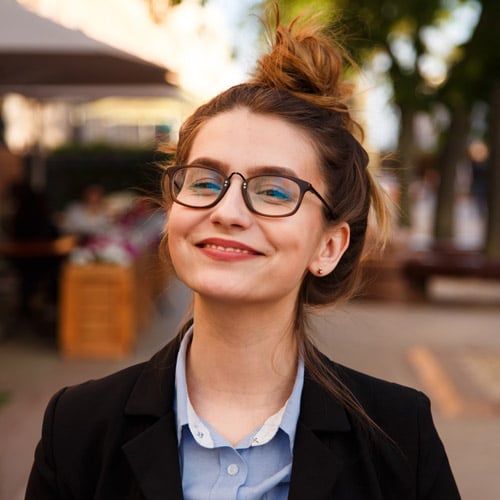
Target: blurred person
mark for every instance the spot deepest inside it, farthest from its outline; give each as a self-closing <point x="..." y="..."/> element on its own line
<point x="479" y="163"/>
<point x="268" y="204"/>
<point x="11" y="173"/>
<point x="32" y="223"/>
<point x="33" y="219"/>
<point x="89" y="216"/>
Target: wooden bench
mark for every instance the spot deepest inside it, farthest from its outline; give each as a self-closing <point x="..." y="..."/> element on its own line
<point x="420" y="267"/>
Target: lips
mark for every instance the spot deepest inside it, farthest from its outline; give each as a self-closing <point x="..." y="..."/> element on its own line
<point x="227" y="246"/>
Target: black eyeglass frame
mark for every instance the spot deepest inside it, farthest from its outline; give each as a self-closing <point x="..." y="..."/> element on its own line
<point x="304" y="187"/>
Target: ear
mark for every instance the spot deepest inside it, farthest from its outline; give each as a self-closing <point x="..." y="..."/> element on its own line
<point x="334" y="243"/>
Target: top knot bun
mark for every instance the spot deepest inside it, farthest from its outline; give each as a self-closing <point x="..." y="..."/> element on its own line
<point x="307" y="63"/>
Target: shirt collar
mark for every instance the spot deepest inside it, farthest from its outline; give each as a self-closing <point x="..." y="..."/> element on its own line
<point x="285" y="419"/>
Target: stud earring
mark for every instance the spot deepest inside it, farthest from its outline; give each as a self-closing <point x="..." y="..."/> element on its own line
<point x="320" y="271"/>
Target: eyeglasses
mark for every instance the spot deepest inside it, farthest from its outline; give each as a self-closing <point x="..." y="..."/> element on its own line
<point x="272" y="195"/>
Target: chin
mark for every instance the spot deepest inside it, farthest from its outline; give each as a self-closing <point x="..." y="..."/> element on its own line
<point x="224" y="292"/>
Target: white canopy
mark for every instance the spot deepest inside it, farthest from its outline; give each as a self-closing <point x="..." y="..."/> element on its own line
<point x="39" y="58"/>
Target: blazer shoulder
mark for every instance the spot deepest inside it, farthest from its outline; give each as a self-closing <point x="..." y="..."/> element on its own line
<point x="374" y="392"/>
<point x="398" y="409"/>
<point x="95" y="398"/>
<point x="404" y="414"/>
<point x="109" y="386"/>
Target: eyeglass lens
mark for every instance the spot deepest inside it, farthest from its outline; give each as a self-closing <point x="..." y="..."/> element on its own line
<point x="266" y="194"/>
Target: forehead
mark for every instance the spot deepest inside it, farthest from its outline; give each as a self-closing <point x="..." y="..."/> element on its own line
<point x="245" y="140"/>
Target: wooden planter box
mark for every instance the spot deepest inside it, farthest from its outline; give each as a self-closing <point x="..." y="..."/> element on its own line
<point x="99" y="310"/>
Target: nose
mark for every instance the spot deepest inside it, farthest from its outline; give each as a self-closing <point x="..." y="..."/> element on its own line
<point x="232" y="209"/>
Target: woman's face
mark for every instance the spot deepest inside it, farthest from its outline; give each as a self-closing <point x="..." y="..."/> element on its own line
<point x="229" y="253"/>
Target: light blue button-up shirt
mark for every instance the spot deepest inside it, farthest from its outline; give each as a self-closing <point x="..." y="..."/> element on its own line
<point x="259" y="467"/>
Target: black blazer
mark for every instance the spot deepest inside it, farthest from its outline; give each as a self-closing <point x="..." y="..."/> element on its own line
<point x="115" y="438"/>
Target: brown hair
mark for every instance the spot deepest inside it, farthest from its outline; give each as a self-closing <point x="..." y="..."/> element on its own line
<point x="300" y="81"/>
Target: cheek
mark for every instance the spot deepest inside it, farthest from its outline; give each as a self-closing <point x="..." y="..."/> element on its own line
<point x="296" y="249"/>
<point x="177" y="229"/>
<point x="181" y="221"/>
<point x="301" y="238"/>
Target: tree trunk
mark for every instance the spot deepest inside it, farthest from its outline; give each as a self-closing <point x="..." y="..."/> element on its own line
<point x="407" y="166"/>
<point x="454" y="151"/>
<point x="493" y="226"/>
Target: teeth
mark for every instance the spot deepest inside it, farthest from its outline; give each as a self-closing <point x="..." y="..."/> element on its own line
<point x="227" y="249"/>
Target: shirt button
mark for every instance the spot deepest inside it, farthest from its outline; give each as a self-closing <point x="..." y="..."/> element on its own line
<point x="232" y="469"/>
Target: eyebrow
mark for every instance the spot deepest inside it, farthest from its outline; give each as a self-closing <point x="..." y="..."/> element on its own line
<point x="252" y="171"/>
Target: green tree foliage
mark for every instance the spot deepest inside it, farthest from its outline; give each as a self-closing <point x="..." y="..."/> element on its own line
<point x="475" y="77"/>
<point x="482" y="60"/>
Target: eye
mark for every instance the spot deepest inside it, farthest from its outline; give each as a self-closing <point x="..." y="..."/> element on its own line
<point x="270" y="189"/>
<point x="203" y="182"/>
<point x="205" y="185"/>
<point x="274" y="193"/>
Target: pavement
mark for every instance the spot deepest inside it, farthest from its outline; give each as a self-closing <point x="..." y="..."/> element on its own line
<point x="448" y="347"/>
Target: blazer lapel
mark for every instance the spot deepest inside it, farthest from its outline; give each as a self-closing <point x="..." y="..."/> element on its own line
<point x="316" y="466"/>
<point x="152" y="451"/>
<point x="154" y="460"/>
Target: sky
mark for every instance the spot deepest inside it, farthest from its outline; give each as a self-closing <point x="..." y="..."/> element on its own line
<point x="243" y="27"/>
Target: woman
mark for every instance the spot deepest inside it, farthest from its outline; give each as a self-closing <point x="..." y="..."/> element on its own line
<point x="268" y="205"/>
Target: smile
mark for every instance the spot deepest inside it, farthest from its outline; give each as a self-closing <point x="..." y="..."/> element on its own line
<point x="228" y="249"/>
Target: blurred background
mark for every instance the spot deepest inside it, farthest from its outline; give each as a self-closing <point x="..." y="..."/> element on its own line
<point x="89" y="90"/>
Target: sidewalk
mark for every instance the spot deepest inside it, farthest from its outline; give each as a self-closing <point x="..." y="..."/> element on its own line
<point x="450" y="350"/>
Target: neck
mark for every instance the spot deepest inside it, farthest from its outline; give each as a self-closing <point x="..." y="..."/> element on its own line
<point x="248" y="343"/>
<point x="242" y="361"/>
